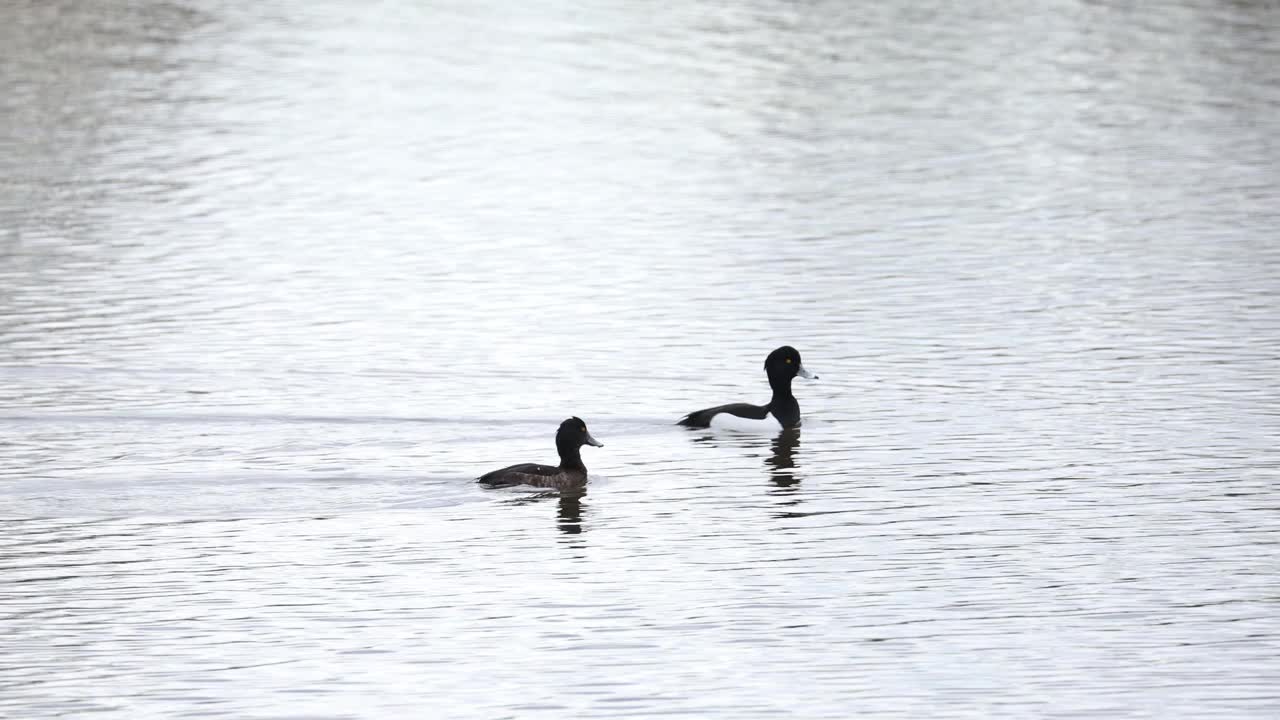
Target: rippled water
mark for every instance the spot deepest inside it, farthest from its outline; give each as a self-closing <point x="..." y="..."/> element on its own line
<point x="278" y="280"/>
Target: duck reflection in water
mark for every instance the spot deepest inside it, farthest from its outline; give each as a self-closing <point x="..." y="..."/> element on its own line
<point x="569" y="519"/>
<point x="569" y="502"/>
<point x="782" y="460"/>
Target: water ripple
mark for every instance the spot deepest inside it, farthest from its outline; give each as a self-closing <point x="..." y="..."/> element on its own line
<point x="279" y="280"/>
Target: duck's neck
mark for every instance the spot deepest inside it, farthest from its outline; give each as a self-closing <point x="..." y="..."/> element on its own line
<point x="571" y="456"/>
<point x="781" y="385"/>
<point x="783" y="405"/>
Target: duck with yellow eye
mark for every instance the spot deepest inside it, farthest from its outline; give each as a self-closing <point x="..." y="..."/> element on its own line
<point x="782" y="411"/>
<point x="570" y="473"/>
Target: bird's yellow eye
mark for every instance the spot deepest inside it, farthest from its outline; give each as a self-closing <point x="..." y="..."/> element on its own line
<point x="788" y="361"/>
<point x="584" y="428"/>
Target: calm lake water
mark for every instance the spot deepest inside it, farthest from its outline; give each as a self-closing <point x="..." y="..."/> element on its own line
<point x="278" y="280"/>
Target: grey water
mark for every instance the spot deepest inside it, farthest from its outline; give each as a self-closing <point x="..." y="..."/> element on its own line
<point x="279" y="279"/>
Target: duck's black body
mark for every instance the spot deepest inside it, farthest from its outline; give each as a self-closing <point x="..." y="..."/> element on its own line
<point x="571" y="472"/>
<point x="786" y="414"/>
<point x="547" y="476"/>
<point x="782" y="411"/>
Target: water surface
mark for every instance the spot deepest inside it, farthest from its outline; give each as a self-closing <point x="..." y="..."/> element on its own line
<point x="278" y="280"/>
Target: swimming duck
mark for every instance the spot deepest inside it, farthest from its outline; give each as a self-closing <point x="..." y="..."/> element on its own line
<point x="783" y="411"/>
<point x="570" y="438"/>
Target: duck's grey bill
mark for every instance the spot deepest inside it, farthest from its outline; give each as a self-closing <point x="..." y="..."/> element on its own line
<point x="593" y="441"/>
<point x="806" y="374"/>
